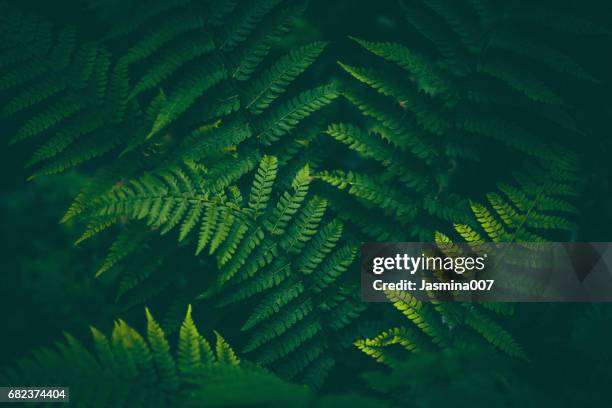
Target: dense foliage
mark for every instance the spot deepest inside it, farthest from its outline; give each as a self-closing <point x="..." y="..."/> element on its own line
<point x="231" y="160"/>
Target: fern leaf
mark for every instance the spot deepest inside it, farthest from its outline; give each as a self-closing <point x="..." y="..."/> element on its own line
<point x="83" y="123"/>
<point x="378" y="347"/>
<point x="420" y="314"/>
<point x="266" y="88"/>
<point x="372" y="190"/>
<point x="33" y="95"/>
<point x="333" y="267"/>
<point x="370" y="145"/>
<point x="428" y="77"/>
<point x="273" y="302"/>
<point x="168" y="63"/>
<point x="521" y="81"/>
<point x="322" y="244"/>
<point x="395" y="126"/>
<point x="207" y="227"/>
<point x="495" y="334"/>
<point x="239" y="27"/>
<point x="306" y="225"/>
<point x="128" y="241"/>
<point x="402" y="93"/>
<point x="284" y="118"/>
<point x="191" y="219"/>
<point x="226" y="221"/>
<point x="269" y="277"/>
<point x="225" y="354"/>
<point x="295" y="337"/>
<point x="262" y="186"/>
<point x="161" y="35"/>
<point x="61" y="109"/>
<point x="185" y="93"/>
<point x="188" y="353"/>
<point x="289" y="204"/>
<point x="255" y="50"/>
<point x="556" y="60"/>
<point x="160" y="350"/>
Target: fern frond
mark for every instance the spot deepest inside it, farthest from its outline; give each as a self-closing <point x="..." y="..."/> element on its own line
<point x="184" y="95"/>
<point x="37" y="93"/>
<point x="395" y="127"/>
<point x="522" y="212"/>
<point x="371" y="190"/>
<point x="421" y="315"/>
<point x="169" y="380"/>
<point x="288" y="316"/>
<point x="321" y="244"/>
<point x="378" y="347"/>
<point x="60" y="110"/>
<point x="306" y="225"/>
<point x="289" y="204"/>
<point x="82" y="124"/>
<point x="167" y="64"/>
<point x="372" y="146"/>
<point x="333" y="267"/>
<point x="521" y="81"/>
<point x="273" y="302"/>
<point x="188" y="353"/>
<point x="269" y="277"/>
<point x="298" y="335"/>
<point x="494" y="333"/>
<point x="139" y="372"/>
<point x="249" y="57"/>
<point x="207" y="226"/>
<point x="266" y="88"/>
<point x="128" y="241"/>
<point x="239" y="27"/>
<point x="158" y="36"/>
<point x="285" y="117"/>
<point x="444" y="36"/>
<point x="225" y="353"/>
<point x="403" y="94"/>
<point x="428" y="77"/>
<point x="262" y="186"/>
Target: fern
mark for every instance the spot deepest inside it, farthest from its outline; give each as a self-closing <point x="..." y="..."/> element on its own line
<point x="72" y="88"/>
<point x="128" y="367"/>
<point x="262" y="186"/>
<point x="539" y="204"/>
<point x="136" y="370"/>
<point x="437" y="326"/>
<point x="467" y="76"/>
<point x="282" y="120"/>
<point x="251" y="240"/>
<point x="217" y="141"/>
<point x="189" y="96"/>
<point x="189" y="57"/>
<point x="271" y="84"/>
